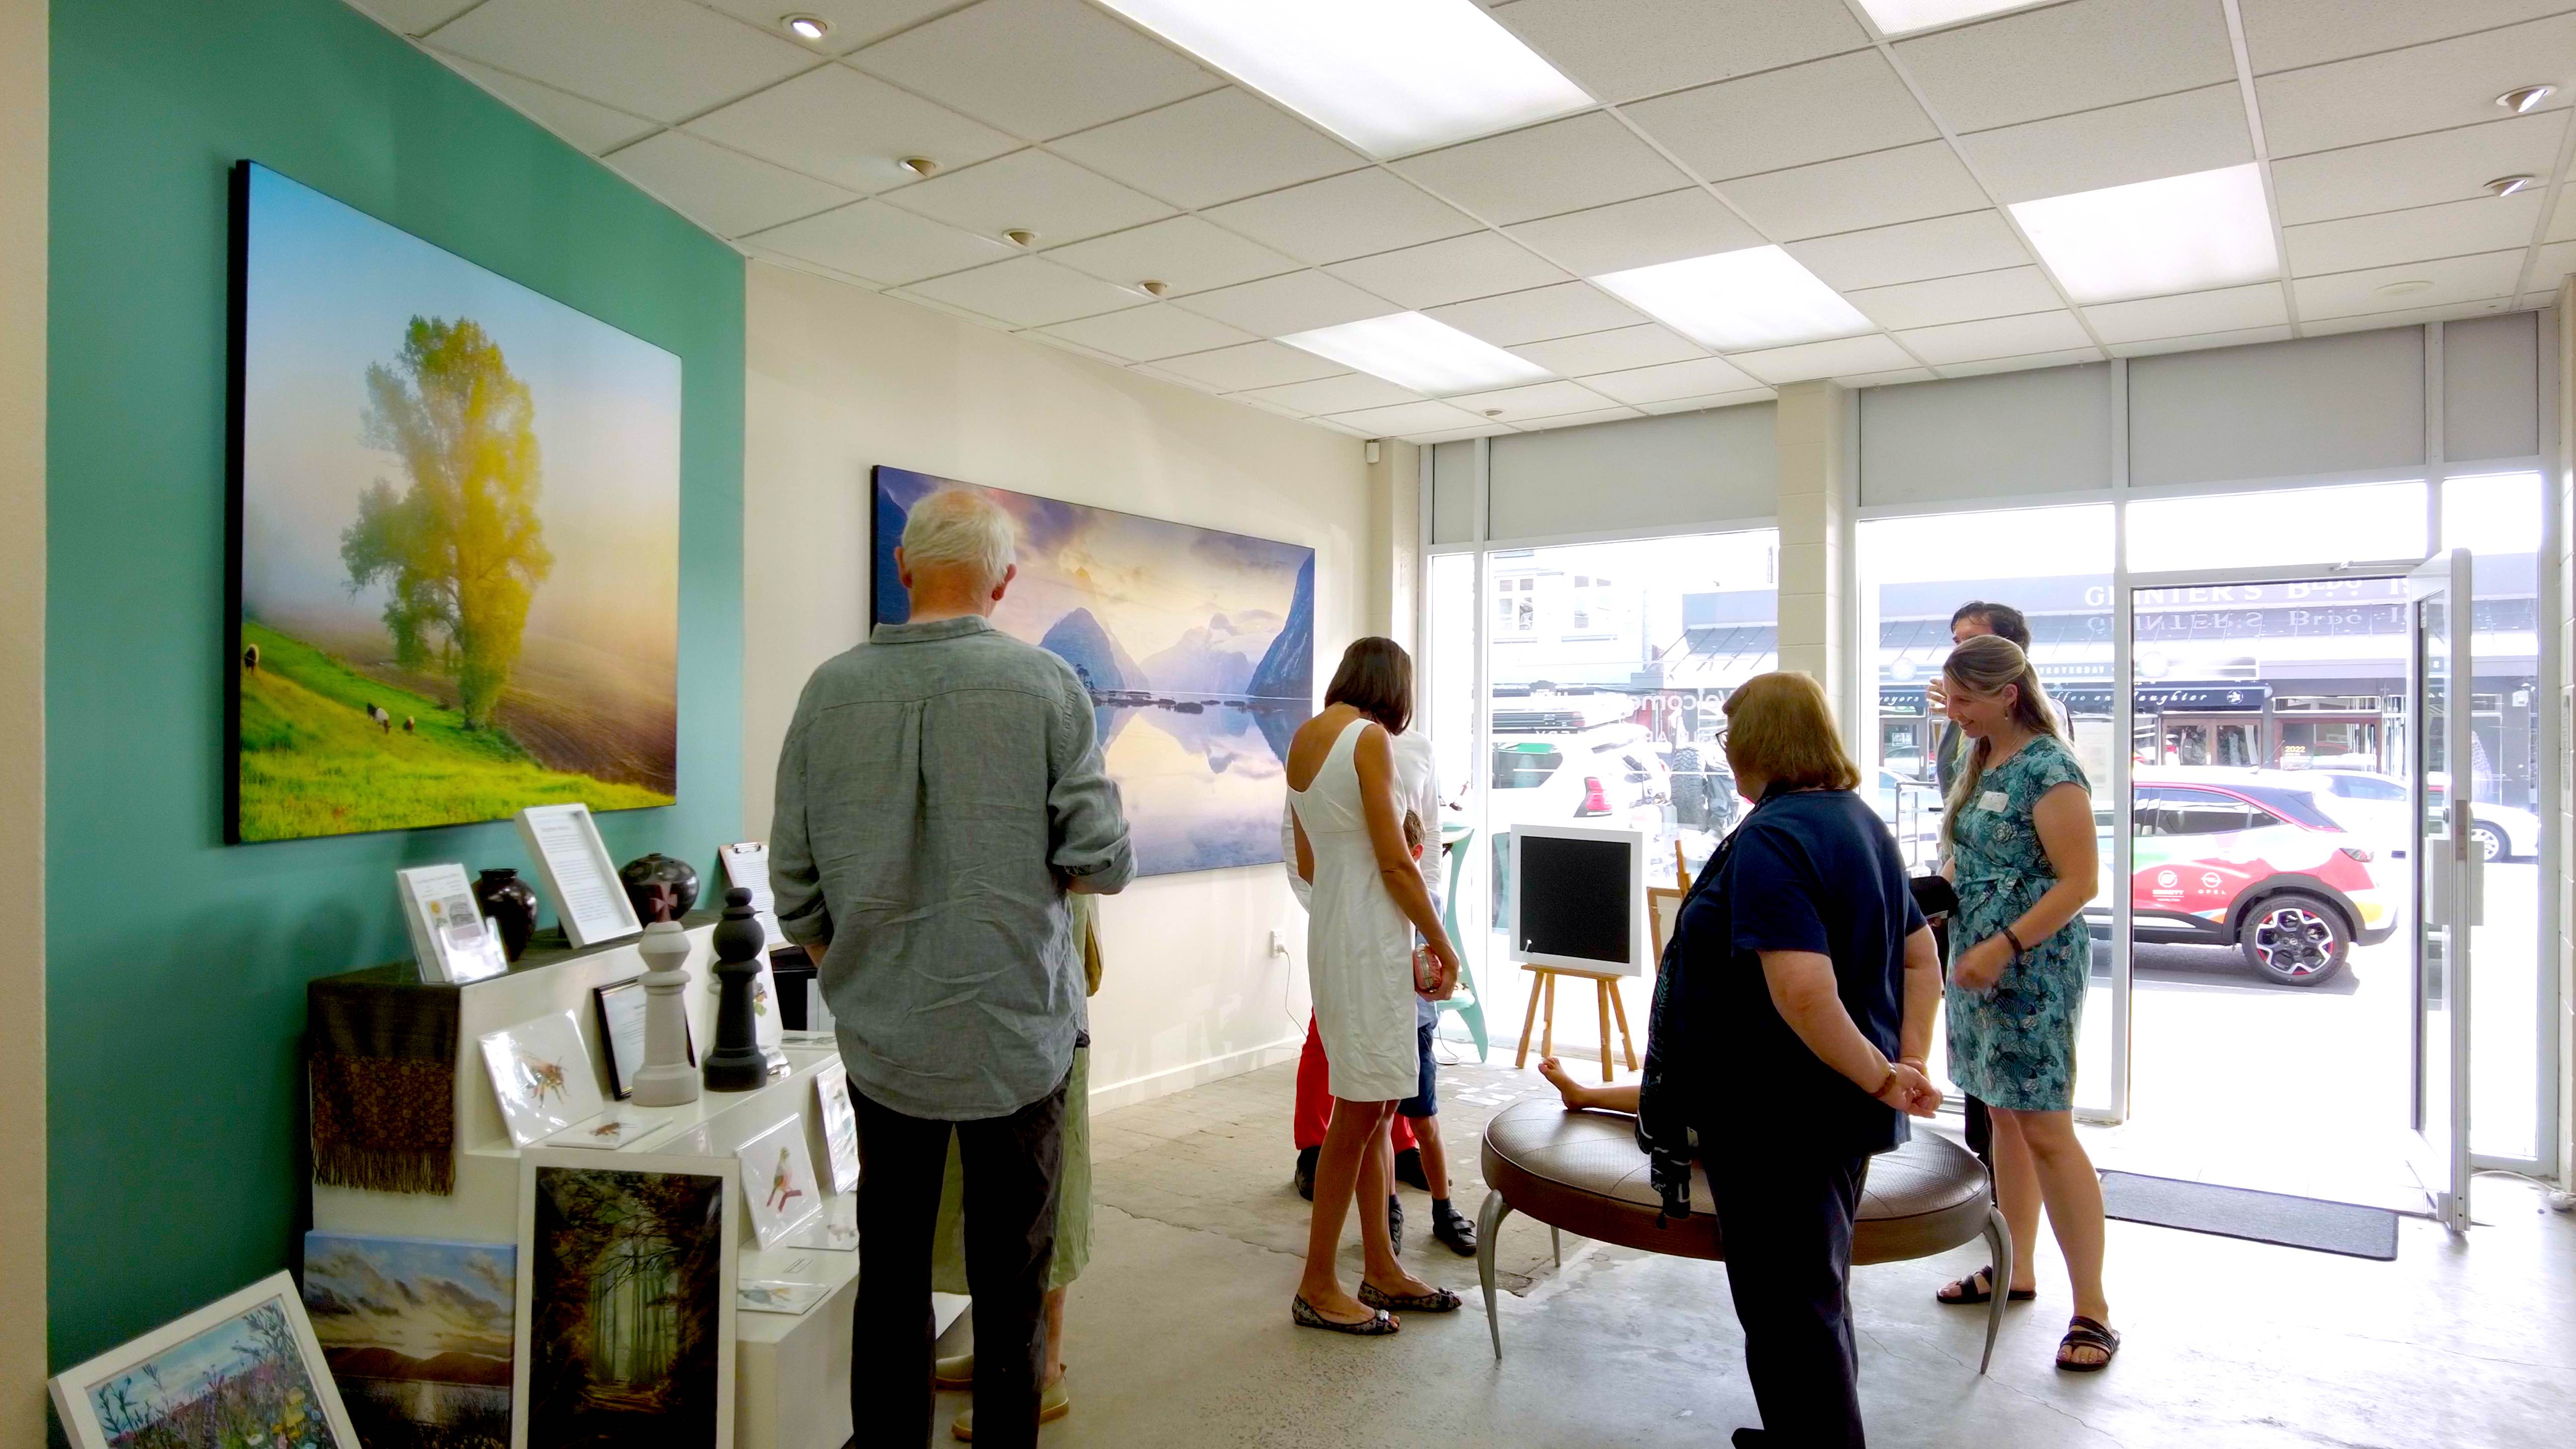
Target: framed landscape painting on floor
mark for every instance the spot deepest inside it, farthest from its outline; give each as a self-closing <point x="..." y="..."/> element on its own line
<point x="456" y="523"/>
<point x="1197" y="646"/>
<point x="242" y="1370"/>
<point x="417" y="1334"/>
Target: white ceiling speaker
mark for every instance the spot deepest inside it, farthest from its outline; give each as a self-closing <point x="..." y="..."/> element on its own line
<point x="921" y="166"/>
<point x="806" y="27"/>
<point x="1020" y="236"/>
<point x="2523" y="98"/>
<point x="2508" y="185"/>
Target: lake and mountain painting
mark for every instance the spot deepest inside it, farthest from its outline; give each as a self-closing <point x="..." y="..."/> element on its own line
<point x="417" y="1336"/>
<point x="627" y="1309"/>
<point x="241" y="1383"/>
<point x="458" y="538"/>
<point x="1198" y="648"/>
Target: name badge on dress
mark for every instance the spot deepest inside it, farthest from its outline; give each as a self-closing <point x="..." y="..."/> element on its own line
<point x="1993" y="802"/>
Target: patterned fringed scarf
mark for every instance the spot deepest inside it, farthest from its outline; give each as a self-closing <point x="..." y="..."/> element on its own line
<point x="380" y="1057"/>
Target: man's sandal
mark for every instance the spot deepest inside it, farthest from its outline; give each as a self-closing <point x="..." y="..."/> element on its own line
<point x="1438" y="1300"/>
<point x="2081" y="1333"/>
<point x="1376" y="1325"/>
<point x="1978" y="1287"/>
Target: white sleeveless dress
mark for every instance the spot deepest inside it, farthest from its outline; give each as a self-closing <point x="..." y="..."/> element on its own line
<point x="1359" y="946"/>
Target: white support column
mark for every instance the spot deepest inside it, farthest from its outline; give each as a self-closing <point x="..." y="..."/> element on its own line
<point x="2559" y="555"/>
<point x="1395" y="540"/>
<point x="1816" y="563"/>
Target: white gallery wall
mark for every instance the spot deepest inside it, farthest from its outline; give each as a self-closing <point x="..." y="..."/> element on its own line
<point x="839" y="380"/>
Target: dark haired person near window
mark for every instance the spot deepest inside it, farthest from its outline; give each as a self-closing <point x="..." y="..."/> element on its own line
<point x="1792" y="1013"/>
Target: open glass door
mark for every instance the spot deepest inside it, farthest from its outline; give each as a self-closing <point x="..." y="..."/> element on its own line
<point x="2446" y="880"/>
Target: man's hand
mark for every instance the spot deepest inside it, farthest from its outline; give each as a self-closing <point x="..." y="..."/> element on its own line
<point x="1911" y="1092"/>
<point x="1936" y="697"/>
<point x="1982" y="965"/>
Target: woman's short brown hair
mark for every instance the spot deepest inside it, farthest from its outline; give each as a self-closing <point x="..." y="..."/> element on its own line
<point x="1779" y="728"/>
<point x="1376" y="678"/>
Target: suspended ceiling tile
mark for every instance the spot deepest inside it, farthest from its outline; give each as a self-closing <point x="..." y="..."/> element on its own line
<point x="661" y="58"/>
<point x="2552" y="262"/>
<point x="1873" y="353"/>
<point x="2427" y="88"/>
<point x="1537" y="400"/>
<point x="2009" y="292"/>
<point x="2280" y="34"/>
<point x="725" y="191"/>
<point x="1347" y="393"/>
<point x="1538" y="315"/>
<point x="854" y="22"/>
<point x="1028" y="292"/>
<point x="1880" y="189"/>
<point x="1035" y="68"/>
<point x="873" y="240"/>
<point x="1144" y="334"/>
<point x="1639" y="233"/>
<point x="1579" y="420"/>
<point x="811" y="268"/>
<point x="1617" y="350"/>
<point x="2227" y="309"/>
<point x="2454" y="228"/>
<point x="851" y="129"/>
<point x="2200" y="342"/>
<point x="1479" y="264"/>
<point x="1783" y="118"/>
<point x="413" y="17"/>
<point x="2455" y="280"/>
<point x="1887" y="379"/>
<point x="1067" y="345"/>
<point x="1697" y="377"/>
<point x="1043" y="193"/>
<point x="1346" y="216"/>
<point x="1582" y="161"/>
<point x="1254" y="364"/>
<point x="1995" y="337"/>
<point x="1297" y="302"/>
<point x="2380" y="321"/>
<point x="2067" y="58"/>
<point x="1184" y="253"/>
<point x="2415" y="171"/>
<point x="1404" y="418"/>
<point x="1975" y="241"/>
<point x="1714" y="400"/>
<point x="587" y="124"/>
<point x="1210" y="148"/>
<point x="2174" y="135"/>
<point x="1984" y="366"/>
<point x="1621" y="49"/>
<point x="1447" y="435"/>
<point x="2562" y="223"/>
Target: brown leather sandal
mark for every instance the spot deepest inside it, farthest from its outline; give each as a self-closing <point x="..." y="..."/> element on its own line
<point x="2083" y="1332"/>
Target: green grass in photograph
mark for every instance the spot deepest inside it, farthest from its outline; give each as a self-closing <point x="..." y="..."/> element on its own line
<point x="313" y="763"/>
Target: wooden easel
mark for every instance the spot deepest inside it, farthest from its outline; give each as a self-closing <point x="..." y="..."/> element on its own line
<point x="1605" y="985"/>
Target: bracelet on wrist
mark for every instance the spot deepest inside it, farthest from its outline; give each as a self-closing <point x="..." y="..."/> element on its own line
<point x="2019" y="950"/>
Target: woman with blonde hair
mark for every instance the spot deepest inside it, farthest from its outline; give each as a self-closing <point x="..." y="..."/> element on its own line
<point x="1793" y="1008"/>
<point x="2020" y="848"/>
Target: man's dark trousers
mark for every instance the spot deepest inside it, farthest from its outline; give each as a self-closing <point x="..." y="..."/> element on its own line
<point x="1786" y="1221"/>
<point x="1013" y="1167"/>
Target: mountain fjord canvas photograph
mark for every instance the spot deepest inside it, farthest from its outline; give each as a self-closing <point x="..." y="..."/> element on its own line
<point x="417" y="1334"/>
<point x="1198" y="648"/>
<point x="458" y="537"/>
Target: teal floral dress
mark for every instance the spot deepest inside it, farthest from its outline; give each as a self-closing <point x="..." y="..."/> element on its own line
<point x="2013" y="1045"/>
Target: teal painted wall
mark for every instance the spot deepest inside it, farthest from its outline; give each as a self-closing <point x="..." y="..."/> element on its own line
<point x="176" y="964"/>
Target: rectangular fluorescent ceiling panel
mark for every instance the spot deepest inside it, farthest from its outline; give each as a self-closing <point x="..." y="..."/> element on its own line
<point x="1740" y="301"/>
<point x="2152" y="238"/>
<point x="1411" y="350"/>
<point x="1900" y="17"/>
<point x="1391" y="77"/>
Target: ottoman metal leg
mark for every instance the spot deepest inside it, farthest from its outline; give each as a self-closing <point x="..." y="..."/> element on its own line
<point x="1489" y="1219"/>
<point x="1999" y="1242"/>
<point x="1556" y="1246"/>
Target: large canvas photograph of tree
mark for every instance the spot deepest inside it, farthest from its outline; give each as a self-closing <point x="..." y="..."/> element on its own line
<point x="1198" y="648"/>
<point x="456" y="540"/>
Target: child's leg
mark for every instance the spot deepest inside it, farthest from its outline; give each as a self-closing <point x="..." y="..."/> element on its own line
<point x="1435" y="1158"/>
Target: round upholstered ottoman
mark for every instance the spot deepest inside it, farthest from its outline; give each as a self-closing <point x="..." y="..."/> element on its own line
<point x="1583" y="1172"/>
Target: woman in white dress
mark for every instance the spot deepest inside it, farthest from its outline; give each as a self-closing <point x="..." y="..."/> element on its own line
<point x="1367" y="901"/>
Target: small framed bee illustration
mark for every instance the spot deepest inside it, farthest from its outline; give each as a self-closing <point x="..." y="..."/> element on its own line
<point x="542" y="1075"/>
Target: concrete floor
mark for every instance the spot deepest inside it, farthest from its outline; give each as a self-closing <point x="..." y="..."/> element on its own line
<point x="1178" y="1333"/>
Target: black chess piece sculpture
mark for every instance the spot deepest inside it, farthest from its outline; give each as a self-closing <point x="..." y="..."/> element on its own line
<point x="736" y="1065"/>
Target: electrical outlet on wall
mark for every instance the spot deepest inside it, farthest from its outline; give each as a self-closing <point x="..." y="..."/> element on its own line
<point x="1278" y="942"/>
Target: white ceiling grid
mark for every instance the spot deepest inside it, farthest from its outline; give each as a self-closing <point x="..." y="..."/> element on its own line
<point x="1883" y="165"/>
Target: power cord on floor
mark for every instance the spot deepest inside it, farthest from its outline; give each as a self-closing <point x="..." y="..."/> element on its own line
<point x="2553" y="1197"/>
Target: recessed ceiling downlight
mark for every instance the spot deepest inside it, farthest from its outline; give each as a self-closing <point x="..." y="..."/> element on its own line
<point x="806" y="27"/>
<point x="2523" y="98"/>
<point x="2508" y="185"/>
<point x="1020" y="236"/>
<point x="918" y="165"/>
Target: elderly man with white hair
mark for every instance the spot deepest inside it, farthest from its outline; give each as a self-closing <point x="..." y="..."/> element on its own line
<point x="939" y="792"/>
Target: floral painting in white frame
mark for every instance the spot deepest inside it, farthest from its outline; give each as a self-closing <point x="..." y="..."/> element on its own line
<point x="249" y="1359"/>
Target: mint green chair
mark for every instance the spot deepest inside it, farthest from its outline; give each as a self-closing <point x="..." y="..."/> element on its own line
<point x="1467" y="1001"/>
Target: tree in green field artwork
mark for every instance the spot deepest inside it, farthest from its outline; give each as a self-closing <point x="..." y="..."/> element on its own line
<point x="462" y="549"/>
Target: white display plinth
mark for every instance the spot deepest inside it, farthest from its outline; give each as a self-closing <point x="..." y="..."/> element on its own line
<point x="792" y="1389"/>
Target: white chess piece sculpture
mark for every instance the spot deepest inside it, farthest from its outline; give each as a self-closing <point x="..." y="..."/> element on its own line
<point x="667" y="1078"/>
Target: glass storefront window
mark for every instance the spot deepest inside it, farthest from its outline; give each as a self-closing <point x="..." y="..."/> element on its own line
<point x="2362" y="521"/>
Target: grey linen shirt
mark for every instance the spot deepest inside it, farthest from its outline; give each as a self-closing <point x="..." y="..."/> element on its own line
<point x="938" y="787"/>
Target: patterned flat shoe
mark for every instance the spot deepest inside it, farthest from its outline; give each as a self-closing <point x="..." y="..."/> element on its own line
<point x="1376" y="1325"/>
<point x="1438" y="1300"/>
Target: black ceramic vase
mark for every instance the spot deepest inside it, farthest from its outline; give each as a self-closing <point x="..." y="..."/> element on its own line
<point x="511" y="905"/>
<point x="661" y="887"/>
<point x="736" y="1065"/>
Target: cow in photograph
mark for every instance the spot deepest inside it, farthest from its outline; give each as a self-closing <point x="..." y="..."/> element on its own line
<point x="250" y="656"/>
<point x="383" y="721"/>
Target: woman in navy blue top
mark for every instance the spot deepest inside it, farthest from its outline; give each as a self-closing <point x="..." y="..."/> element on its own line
<point x="1793" y="1009"/>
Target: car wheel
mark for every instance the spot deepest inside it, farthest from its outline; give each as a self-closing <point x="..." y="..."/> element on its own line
<point x="2490" y="842"/>
<point x="2295" y="939"/>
